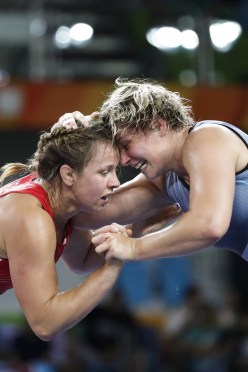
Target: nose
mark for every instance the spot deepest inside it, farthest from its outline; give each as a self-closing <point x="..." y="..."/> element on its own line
<point x="124" y="158"/>
<point x="114" y="181"/>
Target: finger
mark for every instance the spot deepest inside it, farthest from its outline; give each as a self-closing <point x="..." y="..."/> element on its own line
<point x="106" y="229"/>
<point x="55" y="126"/>
<point x="95" y="115"/>
<point x="78" y="115"/>
<point x="67" y="120"/>
<point x="81" y="119"/>
<point x="120" y="228"/>
<point x="129" y="232"/>
<point x="102" y="248"/>
<point x="99" y="239"/>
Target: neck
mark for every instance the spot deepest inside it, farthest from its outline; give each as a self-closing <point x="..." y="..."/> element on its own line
<point x="177" y="160"/>
<point x="62" y="209"/>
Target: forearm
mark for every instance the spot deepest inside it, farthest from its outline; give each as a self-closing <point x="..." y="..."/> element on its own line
<point x="132" y="202"/>
<point x="65" y="309"/>
<point x="157" y="222"/>
<point x="79" y="254"/>
<point x="179" y="239"/>
<point x="93" y="261"/>
<point x="84" y="263"/>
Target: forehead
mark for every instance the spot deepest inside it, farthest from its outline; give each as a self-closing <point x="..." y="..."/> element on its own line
<point x="130" y="135"/>
<point x="126" y="134"/>
<point x="105" y="153"/>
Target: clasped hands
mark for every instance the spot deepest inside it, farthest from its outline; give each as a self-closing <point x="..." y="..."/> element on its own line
<point x="114" y="242"/>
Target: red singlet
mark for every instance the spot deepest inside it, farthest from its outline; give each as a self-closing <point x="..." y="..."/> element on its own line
<point x="25" y="185"/>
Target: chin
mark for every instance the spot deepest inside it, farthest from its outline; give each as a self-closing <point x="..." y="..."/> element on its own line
<point x="151" y="177"/>
<point x="98" y="209"/>
<point x="93" y="210"/>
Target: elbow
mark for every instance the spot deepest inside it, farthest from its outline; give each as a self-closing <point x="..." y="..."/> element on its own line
<point x="214" y="232"/>
<point x="45" y="333"/>
<point x="78" y="270"/>
<point x="45" y="329"/>
<point x="83" y="270"/>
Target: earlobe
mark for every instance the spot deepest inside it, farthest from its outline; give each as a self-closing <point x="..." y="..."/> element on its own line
<point x="66" y="174"/>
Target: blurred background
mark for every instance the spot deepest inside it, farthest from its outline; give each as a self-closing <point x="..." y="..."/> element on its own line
<point x="185" y="314"/>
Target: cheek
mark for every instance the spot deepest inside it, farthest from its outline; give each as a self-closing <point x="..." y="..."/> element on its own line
<point x="97" y="186"/>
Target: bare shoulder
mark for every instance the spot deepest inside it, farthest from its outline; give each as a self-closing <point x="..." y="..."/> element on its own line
<point x="23" y="221"/>
<point x="213" y="141"/>
<point x="206" y="133"/>
<point x="20" y="207"/>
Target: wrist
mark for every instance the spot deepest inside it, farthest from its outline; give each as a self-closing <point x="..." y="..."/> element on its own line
<point x="136" y="248"/>
<point x="132" y="249"/>
<point x="114" y="264"/>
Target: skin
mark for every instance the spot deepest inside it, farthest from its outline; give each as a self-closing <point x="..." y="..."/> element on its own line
<point x="31" y="255"/>
<point x="195" y="160"/>
<point x="148" y="197"/>
<point x="193" y="156"/>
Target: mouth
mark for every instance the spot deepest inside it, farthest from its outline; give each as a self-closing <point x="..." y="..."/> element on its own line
<point x="141" y="165"/>
<point x="106" y="198"/>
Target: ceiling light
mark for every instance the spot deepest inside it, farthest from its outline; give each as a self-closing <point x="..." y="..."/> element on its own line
<point x="81" y="33"/>
<point x="224" y="34"/>
<point x="164" y="38"/>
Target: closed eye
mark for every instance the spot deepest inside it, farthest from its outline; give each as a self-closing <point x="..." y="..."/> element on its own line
<point x="124" y="145"/>
<point x="109" y="170"/>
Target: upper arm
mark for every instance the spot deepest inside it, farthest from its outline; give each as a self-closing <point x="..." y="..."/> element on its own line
<point x="30" y="244"/>
<point x="210" y="157"/>
<point x="132" y="201"/>
<point x="79" y="253"/>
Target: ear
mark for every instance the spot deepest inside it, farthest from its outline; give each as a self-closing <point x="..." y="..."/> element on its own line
<point x="162" y="126"/>
<point x="66" y="174"/>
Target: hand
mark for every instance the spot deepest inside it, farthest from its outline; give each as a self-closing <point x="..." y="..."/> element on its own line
<point x="114" y="245"/>
<point x="114" y="228"/>
<point x="75" y="119"/>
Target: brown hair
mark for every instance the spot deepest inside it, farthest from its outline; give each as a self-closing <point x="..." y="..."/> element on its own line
<point x="74" y="147"/>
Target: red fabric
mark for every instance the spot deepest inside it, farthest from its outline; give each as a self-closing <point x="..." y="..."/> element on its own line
<point x="25" y="185"/>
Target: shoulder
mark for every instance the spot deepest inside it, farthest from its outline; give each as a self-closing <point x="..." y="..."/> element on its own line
<point x="19" y="202"/>
<point x="210" y="133"/>
<point x="209" y="142"/>
<point x="23" y="211"/>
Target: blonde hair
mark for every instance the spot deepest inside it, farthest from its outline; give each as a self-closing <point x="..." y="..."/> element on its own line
<point x="138" y="103"/>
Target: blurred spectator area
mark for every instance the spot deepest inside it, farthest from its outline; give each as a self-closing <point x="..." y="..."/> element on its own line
<point x="34" y="106"/>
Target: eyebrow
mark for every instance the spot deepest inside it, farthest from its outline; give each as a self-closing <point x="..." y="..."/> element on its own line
<point x="124" y="141"/>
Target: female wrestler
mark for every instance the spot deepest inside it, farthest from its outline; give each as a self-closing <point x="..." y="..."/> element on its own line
<point x="71" y="171"/>
<point x="202" y="166"/>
